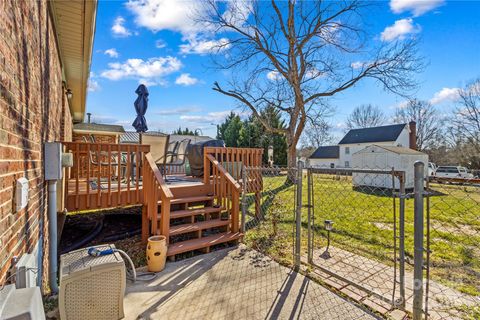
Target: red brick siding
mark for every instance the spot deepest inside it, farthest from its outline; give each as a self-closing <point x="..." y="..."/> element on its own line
<point x="33" y="110"/>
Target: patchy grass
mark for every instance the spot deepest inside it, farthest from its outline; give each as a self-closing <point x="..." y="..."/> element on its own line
<point x="364" y="222"/>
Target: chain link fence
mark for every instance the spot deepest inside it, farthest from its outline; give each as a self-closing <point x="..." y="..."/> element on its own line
<point x="355" y="226"/>
<point x="452" y="249"/>
<point x="271" y="201"/>
<point x="382" y="240"/>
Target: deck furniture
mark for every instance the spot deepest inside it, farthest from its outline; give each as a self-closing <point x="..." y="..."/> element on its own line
<point x="175" y="157"/>
<point x="159" y="145"/>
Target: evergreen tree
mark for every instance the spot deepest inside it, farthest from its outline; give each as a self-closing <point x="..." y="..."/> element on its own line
<point x="185" y="132"/>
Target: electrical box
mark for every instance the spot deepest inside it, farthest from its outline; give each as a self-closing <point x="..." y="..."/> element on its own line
<point x="26" y="269"/>
<point x="23" y="303"/>
<point x="53" y="161"/>
<point x="21" y="194"/>
<point x="67" y="160"/>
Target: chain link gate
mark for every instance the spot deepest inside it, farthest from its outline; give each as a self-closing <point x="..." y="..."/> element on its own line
<point x="356" y="227"/>
<point x="451" y="249"/>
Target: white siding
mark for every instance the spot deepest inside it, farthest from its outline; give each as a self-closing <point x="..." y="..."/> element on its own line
<point x="375" y="157"/>
<point x="323" y="163"/>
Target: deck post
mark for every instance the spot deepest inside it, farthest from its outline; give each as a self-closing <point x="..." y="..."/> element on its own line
<point x="145" y="224"/>
<point x="206" y="168"/>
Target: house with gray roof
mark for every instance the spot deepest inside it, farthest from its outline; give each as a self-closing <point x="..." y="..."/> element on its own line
<point x="340" y="155"/>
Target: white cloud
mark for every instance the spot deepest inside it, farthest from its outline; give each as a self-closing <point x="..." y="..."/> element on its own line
<point x="357" y="65"/>
<point x="177" y="111"/>
<point x="273" y="75"/>
<point x="416" y="7"/>
<point x="186" y="80"/>
<point x="445" y="95"/>
<point x="211" y="117"/>
<point x="400" y="29"/>
<point x="151" y="70"/>
<point x="112" y="53"/>
<point x="196" y="46"/>
<point x="93" y="85"/>
<point x="157" y="15"/>
<point x="118" y="29"/>
<point x="160" y="44"/>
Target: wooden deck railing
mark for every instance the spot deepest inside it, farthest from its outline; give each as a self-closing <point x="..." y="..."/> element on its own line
<point x="103" y="175"/>
<point x="233" y="159"/>
<point x="155" y="188"/>
<point x="223" y="168"/>
<point x="226" y="191"/>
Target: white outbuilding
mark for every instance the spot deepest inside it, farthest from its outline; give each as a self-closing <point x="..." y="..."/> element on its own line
<point x="385" y="158"/>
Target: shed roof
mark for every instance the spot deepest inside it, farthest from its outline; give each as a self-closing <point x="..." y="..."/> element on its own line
<point x="326" y="152"/>
<point x="373" y="134"/>
<point x="98" y="127"/>
<point x="394" y="149"/>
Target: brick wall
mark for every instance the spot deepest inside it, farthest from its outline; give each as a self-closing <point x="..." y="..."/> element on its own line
<point x="33" y="110"/>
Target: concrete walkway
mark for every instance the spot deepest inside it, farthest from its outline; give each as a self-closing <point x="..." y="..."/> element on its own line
<point x="236" y="283"/>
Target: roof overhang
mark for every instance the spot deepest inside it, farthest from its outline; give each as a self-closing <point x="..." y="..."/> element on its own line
<point x="75" y="29"/>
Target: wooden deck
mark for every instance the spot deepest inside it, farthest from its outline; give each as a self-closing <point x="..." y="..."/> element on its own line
<point x="192" y="213"/>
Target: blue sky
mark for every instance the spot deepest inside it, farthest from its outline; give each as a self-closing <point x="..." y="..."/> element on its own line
<point x="155" y="42"/>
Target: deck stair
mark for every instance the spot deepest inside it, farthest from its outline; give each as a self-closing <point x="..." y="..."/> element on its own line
<point x="196" y="222"/>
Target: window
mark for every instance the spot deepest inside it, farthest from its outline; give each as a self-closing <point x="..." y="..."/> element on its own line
<point x="332" y="165"/>
<point x="347" y="164"/>
<point x="347" y="150"/>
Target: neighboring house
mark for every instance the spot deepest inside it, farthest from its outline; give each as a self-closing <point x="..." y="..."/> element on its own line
<point x="45" y="53"/>
<point x="102" y="133"/>
<point x="326" y="157"/>
<point x="399" y="135"/>
<point x="133" y="137"/>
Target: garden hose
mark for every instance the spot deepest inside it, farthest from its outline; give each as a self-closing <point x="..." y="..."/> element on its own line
<point x="132" y="273"/>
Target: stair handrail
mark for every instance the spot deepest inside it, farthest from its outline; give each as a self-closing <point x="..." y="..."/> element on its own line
<point x="155" y="187"/>
<point x="226" y="191"/>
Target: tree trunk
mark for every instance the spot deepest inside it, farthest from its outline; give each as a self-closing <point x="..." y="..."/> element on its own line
<point x="291" y="159"/>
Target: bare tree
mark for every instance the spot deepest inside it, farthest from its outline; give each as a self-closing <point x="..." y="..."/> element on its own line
<point x="293" y="54"/>
<point x="429" y="123"/>
<point x="365" y="116"/>
<point x="467" y="115"/>
<point x="465" y="129"/>
<point x="317" y="133"/>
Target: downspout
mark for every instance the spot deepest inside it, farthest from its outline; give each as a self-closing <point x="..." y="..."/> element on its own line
<point x="52" y="231"/>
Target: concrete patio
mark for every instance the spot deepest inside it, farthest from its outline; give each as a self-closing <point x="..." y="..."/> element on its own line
<point x="235" y="283"/>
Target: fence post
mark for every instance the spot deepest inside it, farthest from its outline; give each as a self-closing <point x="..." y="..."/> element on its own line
<point x="402" y="238"/>
<point x="309" y="194"/>
<point x="244" y="198"/>
<point x="418" y="240"/>
<point x="298" y="215"/>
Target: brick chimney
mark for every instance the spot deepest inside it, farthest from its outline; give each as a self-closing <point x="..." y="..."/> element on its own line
<point x="413" y="135"/>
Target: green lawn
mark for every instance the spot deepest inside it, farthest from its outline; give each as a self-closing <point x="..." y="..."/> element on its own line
<point x="363" y="222"/>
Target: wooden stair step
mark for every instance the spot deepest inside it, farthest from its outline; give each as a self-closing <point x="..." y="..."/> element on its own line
<point x="204" y="242"/>
<point x="202" y="225"/>
<point x="188" y="213"/>
<point x="190" y="199"/>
